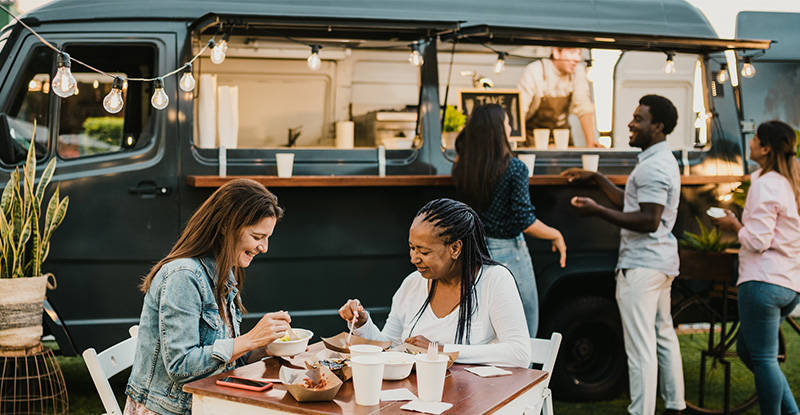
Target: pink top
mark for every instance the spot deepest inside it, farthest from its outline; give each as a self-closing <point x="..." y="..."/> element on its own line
<point x="770" y="236"/>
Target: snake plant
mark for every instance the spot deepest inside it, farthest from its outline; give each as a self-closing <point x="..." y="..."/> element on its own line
<point x="24" y="245"/>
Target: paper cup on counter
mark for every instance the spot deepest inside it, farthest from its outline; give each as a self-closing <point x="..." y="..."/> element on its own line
<point x="541" y="137"/>
<point x="430" y="377"/>
<point x="367" y="379"/>
<point x="344" y="134"/>
<point x="561" y="138"/>
<point x="365" y="350"/>
<point x="529" y="160"/>
<point x="590" y="161"/>
<point x="285" y="164"/>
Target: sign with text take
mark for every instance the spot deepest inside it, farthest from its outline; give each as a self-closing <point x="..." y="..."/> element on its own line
<point x="506" y="98"/>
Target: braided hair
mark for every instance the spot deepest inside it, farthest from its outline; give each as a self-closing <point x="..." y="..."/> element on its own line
<point x="457" y="221"/>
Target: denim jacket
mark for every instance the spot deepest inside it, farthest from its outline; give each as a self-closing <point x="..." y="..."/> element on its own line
<point x="182" y="336"/>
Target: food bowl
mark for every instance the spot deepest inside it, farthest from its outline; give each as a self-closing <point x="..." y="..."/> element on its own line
<point x="283" y="347"/>
<point x="398" y="365"/>
<point x="398" y="143"/>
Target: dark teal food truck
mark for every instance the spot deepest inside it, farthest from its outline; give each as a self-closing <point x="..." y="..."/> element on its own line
<point x="363" y="120"/>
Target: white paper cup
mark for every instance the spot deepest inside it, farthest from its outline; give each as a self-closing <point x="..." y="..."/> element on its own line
<point x="529" y="160"/>
<point x="365" y="350"/>
<point x="541" y="136"/>
<point x="590" y="161"/>
<point x="285" y="162"/>
<point x="430" y="377"/>
<point x="367" y="378"/>
<point x="344" y="134"/>
<point x="561" y="138"/>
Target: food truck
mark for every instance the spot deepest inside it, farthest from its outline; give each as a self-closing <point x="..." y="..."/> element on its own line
<point x="354" y="90"/>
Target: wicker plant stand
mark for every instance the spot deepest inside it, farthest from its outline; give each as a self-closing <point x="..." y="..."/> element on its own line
<point x="31" y="383"/>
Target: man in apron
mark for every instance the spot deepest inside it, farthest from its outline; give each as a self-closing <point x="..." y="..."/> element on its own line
<point x="551" y="89"/>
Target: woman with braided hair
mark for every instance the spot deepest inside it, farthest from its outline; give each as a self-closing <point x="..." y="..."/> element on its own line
<point x="458" y="297"/>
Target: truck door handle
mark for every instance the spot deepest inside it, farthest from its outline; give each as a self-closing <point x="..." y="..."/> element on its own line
<point x="149" y="189"/>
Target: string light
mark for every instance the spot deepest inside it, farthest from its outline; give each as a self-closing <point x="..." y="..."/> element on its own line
<point x="500" y="65"/>
<point x="669" y="67"/>
<point x="589" y="71"/>
<point x="114" y="101"/>
<point x="219" y="50"/>
<point x="160" y="99"/>
<point x="722" y="75"/>
<point x="314" y="62"/>
<point x="64" y="84"/>
<point x="748" y="70"/>
<point x="415" y="58"/>
<point x="187" y="82"/>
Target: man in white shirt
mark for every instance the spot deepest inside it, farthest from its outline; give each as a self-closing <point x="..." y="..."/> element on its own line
<point x="551" y="89"/>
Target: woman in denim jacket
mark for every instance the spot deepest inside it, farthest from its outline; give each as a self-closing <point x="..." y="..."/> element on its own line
<point x="189" y="327"/>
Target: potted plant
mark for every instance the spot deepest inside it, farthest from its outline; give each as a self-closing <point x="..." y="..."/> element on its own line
<point x="454" y="121"/>
<point x="25" y="232"/>
<point x="706" y="255"/>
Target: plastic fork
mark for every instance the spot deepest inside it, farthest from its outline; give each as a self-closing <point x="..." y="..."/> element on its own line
<point x="433" y="351"/>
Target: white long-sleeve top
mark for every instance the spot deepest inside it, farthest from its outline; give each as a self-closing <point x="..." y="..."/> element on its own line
<point x="770" y="236"/>
<point x="533" y="85"/>
<point x="499" y="332"/>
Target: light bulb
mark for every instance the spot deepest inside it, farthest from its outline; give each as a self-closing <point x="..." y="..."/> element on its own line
<point x="748" y="70"/>
<point x="415" y="58"/>
<point x="114" y="101"/>
<point x="589" y="71"/>
<point x="64" y="84"/>
<point x="218" y="52"/>
<point x="500" y="65"/>
<point x="722" y="75"/>
<point x="669" y="67"/>
<point x="160" y="99"/>
<point x="187" y="80"/>
<point x="314" y="62"/>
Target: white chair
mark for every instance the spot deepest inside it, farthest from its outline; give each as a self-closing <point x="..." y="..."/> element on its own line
<point x="544" y="352"/>
<point x="108" y="363"/>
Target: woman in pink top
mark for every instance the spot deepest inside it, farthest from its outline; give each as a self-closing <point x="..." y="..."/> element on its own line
<point x="769" y="261"/>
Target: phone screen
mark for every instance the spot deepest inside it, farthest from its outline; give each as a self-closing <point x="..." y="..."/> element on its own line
<point x="242" y="381"/>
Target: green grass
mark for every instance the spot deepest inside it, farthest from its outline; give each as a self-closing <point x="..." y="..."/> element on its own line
<point x="83" y="398"/>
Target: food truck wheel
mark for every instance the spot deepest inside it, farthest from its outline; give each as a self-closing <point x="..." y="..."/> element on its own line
<point x="591" y="363"/>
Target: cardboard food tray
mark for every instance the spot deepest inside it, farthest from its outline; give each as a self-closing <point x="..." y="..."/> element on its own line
<point x="344" y="373"/>
<point x="292" y="380"/>
<point x="338" y="343"/>
<point x="411" y="349"/>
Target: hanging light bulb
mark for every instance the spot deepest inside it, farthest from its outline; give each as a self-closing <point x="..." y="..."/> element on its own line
<point x="500" y="65"/>
<point x="114" y="101"/>
<point x="722" y="75"/>
<point x="160" y="99"/>
<point x="748" y="70"/>
<point x="187" y="82"/>
<point x="415" y="58"/>
<point x="589" y="70"/>
<point x="669" y="67"/>
<point x="314" y="62"/>
<point x="64" y="84"/>
<point x="219" y="50"/>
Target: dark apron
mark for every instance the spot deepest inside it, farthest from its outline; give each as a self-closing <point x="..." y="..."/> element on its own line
<point x="551" y="114"/>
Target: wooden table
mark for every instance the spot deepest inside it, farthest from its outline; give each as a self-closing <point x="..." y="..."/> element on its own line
<point x="469" y="394"/>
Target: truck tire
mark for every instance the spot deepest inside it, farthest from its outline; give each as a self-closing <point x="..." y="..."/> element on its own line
<point x="591" y="363"/>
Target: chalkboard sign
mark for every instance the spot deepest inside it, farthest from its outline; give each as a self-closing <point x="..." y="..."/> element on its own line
<point x="506" y="98"/>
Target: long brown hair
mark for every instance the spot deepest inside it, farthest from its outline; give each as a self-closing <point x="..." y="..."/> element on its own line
<point x="483" y="154"/>
<point x="782" y="140"/>
<point x="214" y="230"/>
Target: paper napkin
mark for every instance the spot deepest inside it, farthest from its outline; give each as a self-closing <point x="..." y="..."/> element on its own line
<point x="435" y="408"/>
<point x="488" y="371"/>
<point x="398" y="395"/>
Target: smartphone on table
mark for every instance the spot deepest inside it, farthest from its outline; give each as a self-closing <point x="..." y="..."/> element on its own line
<point x="244" y="383"/>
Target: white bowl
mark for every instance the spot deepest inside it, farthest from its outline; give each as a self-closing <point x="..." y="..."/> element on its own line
<point x="398" y="365"/>
<point x="398" y="143"/>
<point x="291" y="347"/>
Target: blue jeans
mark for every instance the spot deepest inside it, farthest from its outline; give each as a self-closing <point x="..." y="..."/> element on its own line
<point x="513" y="253"/>
<point x="762" y="307"/>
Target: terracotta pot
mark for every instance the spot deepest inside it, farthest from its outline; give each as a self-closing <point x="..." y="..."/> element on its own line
<point x="716" y="266"/>
<point x="21" y="312"/>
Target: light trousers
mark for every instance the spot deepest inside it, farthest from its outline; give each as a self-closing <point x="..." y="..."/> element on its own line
<point x="654" y="355"/>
